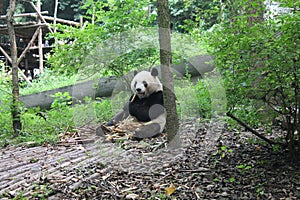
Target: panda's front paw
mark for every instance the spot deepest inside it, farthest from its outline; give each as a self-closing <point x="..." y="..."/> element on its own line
<point x="147" y="131"/>
<point x="99" y="131"/>
<point x="110" y="123"/>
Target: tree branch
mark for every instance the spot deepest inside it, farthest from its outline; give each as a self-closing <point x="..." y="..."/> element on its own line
<point x="252" y="130"/>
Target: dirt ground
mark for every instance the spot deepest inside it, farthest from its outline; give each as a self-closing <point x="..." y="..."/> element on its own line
<point x="206" y="161"/>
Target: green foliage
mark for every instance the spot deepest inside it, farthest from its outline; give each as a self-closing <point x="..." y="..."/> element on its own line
<point x="106" y="42"/>
<point x="47" y="81"/>
<point x="38" y="126"/>
<point x="45" y="126"/>
<point x="259" y="60"/>
<point x="203" y="99"/>
<point x="198" y="103"/>
<point x="243" y="167"/>
<point x="103" y="109"/>
<point x="189" y="14"/>
<point x="41" y="191"/>
<point x="223" y="151"/>
<point x="6" y="131"/>
<point x="187" y="107"/>
<point x="61" y="100"/>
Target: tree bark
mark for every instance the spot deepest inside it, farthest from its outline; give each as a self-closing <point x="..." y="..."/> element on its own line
<point x="164" y="32"/>
<point x="40" y="38"/>
<point x="17" y="125"/>
<point x="255" y="10"/>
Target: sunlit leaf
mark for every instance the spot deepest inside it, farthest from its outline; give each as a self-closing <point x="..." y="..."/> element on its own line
<point x="171" y="189"/>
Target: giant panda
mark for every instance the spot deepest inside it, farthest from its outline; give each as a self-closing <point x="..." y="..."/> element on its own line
<point x="146" y="105"/>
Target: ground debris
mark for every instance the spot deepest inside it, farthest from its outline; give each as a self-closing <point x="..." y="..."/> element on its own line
<point x="227" y="168"/>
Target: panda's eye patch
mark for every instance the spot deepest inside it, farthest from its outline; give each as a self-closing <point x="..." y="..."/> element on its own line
<point x="135" y="84"/>
<point x="145" y="84"/>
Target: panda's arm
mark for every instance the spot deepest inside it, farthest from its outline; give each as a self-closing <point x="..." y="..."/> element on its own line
<point x="139" y="110"/>
<point x="120" y="116"/>
<point x="147" y="109"/>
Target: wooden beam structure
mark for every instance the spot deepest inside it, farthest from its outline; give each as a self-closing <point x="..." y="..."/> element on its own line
<point x="30" y="32"/>
<point x="64" y="21"/>
<point x="10" y="61"/>
<point x="38" y="11"/>
<point x="24" y="15"/>
<point x="29" y="45"/>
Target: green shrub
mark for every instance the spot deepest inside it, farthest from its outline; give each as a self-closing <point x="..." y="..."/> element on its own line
<point x="259" y="60"/>
<point x="103" y="109"/>
<point x="6" y="131"/>
<point x="193" y="100"/>
<point x="47" y="81"/>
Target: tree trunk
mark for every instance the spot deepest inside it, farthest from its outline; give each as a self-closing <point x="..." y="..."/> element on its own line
<point x="172" y="123"/>
<point x="40" y="40"/>
<point x="17" y="125"/>
<point x="255" y="10"/>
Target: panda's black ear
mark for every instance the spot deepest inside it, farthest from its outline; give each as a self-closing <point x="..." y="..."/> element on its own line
<point x="154" y="72"/>
<point x="135" y="72"/>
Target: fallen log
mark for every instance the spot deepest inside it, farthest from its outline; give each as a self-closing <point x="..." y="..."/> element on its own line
<point x="104" y="87"/>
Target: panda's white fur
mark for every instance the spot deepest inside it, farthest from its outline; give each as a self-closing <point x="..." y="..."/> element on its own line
<point x="146" y="105"/>
<point x="139" y="80"/>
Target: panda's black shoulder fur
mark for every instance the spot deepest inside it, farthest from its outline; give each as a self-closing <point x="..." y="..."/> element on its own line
<point x="139" y="108"/>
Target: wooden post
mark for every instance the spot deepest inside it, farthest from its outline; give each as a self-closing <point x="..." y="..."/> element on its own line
<point x="81" y="21"/>
<point x="55" y="15"/>
<point x="93" y="15"/>
<point x="54" y="22"/>
<point x="40" y="40"/>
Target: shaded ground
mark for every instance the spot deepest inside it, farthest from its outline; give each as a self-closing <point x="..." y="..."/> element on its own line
<point x="211" y="163"/>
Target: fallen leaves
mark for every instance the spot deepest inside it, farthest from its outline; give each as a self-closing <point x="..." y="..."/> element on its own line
<point x="132" y="196"/>
<point x="171" y="189"/>
<point x="198" y="172"/>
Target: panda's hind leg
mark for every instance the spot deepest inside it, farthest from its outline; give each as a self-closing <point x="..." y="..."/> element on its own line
<point x="147" y="131"/>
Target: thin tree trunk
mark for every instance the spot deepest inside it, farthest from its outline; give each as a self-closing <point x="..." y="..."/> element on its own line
<point x="172" y="123"/>
<point x="40" y="40"/>
<point x="54" y="22"/>
<point x="17" y="125"/>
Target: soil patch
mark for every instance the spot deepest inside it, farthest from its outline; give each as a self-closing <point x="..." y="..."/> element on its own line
<point x="205" y="162"/>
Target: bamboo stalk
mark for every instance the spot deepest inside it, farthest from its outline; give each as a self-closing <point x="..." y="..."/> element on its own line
<point x="133" y="97"/>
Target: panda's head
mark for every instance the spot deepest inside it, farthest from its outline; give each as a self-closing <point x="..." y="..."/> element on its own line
<point x="145" y="83"/>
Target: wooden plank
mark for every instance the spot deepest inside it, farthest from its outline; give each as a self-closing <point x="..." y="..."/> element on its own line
<point x="4" y="28"/>
<point x="24" y="15"/>
<point x="64" y="21"/>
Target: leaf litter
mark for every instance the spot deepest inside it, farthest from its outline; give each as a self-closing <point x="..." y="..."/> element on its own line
<point x="199" y="165"/>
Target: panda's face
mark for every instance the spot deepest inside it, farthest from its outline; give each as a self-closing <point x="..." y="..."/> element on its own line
<point x="145" y="83"/>
<point x="141" y="88"/>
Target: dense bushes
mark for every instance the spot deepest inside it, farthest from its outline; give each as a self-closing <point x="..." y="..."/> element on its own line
<point x="260" y="64"/>
<point x="45" y="126"/>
